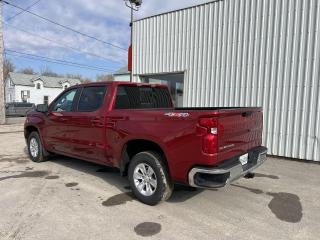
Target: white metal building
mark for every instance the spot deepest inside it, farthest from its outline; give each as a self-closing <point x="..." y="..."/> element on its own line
<point x="241" y="53"/>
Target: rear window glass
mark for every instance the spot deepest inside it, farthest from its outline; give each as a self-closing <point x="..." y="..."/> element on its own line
<point x="131" y="97"/>
<point x="91" y="98"/>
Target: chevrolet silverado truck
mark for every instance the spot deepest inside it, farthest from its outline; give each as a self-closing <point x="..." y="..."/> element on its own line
<point x="135" y="127"/>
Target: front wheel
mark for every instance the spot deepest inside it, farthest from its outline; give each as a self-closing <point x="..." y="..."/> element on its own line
<point x="149" y="178"/>
<point x="36" y="151"/>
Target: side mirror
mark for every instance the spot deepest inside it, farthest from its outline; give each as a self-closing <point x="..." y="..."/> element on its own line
<point x="43" y="108"/>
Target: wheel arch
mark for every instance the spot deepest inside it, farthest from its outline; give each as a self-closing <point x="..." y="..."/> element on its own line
<point x="29" y="129"/>
<point x="134" y="146"/>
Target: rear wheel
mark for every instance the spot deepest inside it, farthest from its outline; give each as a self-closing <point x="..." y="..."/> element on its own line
<point x="149" y="178"/>
<point x="36" y="151"/>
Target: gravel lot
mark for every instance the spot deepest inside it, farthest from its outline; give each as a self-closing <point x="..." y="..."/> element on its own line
<point x="71" y="199"/>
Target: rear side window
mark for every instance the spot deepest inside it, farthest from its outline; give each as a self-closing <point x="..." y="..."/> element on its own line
<point x="131" y="97"/>
<point x="91" y="98"/>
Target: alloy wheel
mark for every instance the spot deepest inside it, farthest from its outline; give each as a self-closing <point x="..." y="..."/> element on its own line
<point x="145" y="179"/>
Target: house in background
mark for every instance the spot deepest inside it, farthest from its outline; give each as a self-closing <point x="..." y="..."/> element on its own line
<point x="37" y="89"/>
<point x="122" y="75"/>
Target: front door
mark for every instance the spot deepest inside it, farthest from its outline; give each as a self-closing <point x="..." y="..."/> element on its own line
<point x="58" y="130"/>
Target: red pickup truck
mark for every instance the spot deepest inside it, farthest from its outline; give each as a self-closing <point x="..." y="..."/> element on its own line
<point x="135" y="128"/>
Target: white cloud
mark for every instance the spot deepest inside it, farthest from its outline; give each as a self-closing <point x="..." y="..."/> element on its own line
<point x="106" y="20"/>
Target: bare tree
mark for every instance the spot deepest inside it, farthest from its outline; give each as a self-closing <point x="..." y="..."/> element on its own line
<point x="46" y="71"/>
<point x="71" y="75"/>
<point x="85" y="80"/>
<point x="105" y="78"/>
<point x="7" y="68"/>
<point x="28" y="70"/>
<point x="78" y="76"/>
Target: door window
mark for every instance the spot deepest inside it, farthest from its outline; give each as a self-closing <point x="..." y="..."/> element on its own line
<point x="91" y="98"/>
<point x="65" y="102"/>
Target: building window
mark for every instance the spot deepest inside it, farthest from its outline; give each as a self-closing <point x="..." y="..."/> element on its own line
<point x="175" y="83"/>
<point x="46" y="100"/>
<point x="38" y="86"/>
<point x="25" y="95"/>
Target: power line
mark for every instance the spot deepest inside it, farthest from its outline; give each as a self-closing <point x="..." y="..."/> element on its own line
<point x="42" y="60"/>
<point x="64" y="62"/>
<point x="64" y="26"/>
<point x="58" y="60"/>
<point x="33" y="4"/>
<point x="55" y="62"/>
<point x="60" y="43"/>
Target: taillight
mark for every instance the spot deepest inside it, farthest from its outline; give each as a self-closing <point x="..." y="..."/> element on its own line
<point x="210" y="123"/>
<point x="210" y="139"/>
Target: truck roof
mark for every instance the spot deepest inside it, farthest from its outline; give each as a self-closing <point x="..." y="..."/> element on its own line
<point x="117" y="83"/>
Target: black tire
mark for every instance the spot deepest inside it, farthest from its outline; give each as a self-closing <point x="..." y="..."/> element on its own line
<point x="164" y="186"/>
<point x="42" y="154"/>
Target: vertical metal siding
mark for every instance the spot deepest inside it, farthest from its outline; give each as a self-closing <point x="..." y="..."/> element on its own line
<point x="244" y="53"/>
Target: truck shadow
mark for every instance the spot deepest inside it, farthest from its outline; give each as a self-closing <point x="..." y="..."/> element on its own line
<point x="183" y="193"/>
<point x="112" y="176"/>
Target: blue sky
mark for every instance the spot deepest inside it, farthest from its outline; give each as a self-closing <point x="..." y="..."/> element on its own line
<point x="105" y="19"/>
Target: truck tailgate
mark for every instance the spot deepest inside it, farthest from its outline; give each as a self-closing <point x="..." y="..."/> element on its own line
<point x="239" y="131"/>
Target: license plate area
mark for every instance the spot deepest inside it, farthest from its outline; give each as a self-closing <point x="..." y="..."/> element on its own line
<point x="244" y="159"/>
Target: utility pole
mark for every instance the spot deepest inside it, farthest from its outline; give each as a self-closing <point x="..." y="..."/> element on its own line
<point x="131" y="40"/>
<point x="2" y="105"/>
<point x="134" y="5"/>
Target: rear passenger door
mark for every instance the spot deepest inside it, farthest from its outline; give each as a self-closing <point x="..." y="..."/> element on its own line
<point x="88" y="125"/>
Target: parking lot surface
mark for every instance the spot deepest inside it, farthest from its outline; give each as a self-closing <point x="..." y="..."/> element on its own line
<point x="67" y="198"/>
<point x="15" y="120"/>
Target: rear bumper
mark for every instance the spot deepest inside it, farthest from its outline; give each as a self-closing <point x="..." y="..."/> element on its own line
<point x="226" y="172"/>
